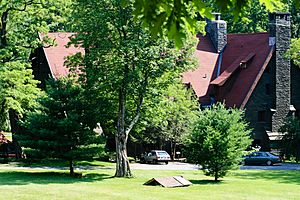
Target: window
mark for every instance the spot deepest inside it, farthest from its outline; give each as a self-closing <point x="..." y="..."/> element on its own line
<point x="268" y="89"/>
<point x="261" y="116"/>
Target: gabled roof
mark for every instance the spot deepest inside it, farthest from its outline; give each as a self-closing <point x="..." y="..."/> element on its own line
<point x="200" y="78"/>
<point x="253" y="50"/>
<point x="243" y="61"/>
<point x="222" y="78"/>
<point x="57" y="54"/>
<point x="241" y="45"/>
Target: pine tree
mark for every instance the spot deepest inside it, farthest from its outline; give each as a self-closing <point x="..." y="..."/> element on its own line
<point x="56" y="129"/>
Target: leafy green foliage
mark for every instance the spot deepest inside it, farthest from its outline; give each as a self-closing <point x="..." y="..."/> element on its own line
<point x="294" y="51"/>
<point x="121" y="64"/>
<point x="17" y="90"/>
<point x="21" y="21"/>
<point x="253" y="19"/>
<point x="176" y="18"/>
<point x="168" y="115"/>
<point x="291" y="138"/>
<point x="218" y="140"/>
<point x="56" y="129"/>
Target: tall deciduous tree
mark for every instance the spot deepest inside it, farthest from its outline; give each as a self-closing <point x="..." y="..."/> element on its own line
<point x="168" y="115"/>
<point x="177" y="17"/>
<point x="218" y="140"/>
<point x="294" y="51"/>
<point x="120" y="64"/>
<point x="21" y="21"/>
<point x="56" y="129"/>
<point x="291" y="138"/>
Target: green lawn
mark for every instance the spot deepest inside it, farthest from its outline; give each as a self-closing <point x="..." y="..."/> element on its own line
<point x="99" y="184"/>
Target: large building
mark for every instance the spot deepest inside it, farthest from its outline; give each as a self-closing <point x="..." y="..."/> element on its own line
<point x="248" y="71"/>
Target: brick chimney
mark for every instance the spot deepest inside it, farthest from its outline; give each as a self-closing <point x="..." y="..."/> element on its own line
<point x="217" y="30"/>
<point x="280" y="36"/>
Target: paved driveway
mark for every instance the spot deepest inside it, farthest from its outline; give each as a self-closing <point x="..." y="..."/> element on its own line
<point x="187" y="166"/>
<point x="283" y="166"/>
<point x="163" y="166"/>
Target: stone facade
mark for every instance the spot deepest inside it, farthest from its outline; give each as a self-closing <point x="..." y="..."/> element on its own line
<point x="262" y="103"/>
<point x="280" y="28"/>
<point x="269" y="104"/>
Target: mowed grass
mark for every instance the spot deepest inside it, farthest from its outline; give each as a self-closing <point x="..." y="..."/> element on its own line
<point x="100" y="184"/>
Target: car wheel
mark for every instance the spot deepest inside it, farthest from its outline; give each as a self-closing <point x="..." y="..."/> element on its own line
<point x="154" y="161"/>
<point x="166" y="162"/>
<point x="269" y="162"/>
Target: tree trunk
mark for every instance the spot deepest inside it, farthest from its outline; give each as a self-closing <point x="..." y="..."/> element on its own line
<point x="174" y="150"/>
<point x="122" y="164"/>
<point x="71" y="167"/>
<point x="216" y="176"/>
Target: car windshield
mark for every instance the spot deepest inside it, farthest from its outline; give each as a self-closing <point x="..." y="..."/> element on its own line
<point x="161" y="153"/>
<point x="271" y="154"/>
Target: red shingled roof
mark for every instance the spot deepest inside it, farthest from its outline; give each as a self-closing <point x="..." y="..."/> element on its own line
<point x="241" y="45"/>
<point x="252" y="49"/>
<point x="244" y="57"/>
<point x="56" y="54"/>
<point x="200" y="78"/>
<point x="222" y="78"/>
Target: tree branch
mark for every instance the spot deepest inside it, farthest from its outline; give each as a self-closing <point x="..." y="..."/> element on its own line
<point x="139" y="107"/>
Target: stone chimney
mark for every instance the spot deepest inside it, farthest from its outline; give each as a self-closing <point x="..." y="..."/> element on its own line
<point x="217" y="30"/>
<point x="280" y="36"/>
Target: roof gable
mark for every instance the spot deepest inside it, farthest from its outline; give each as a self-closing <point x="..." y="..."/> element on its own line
<point x="57" y="54"/>
<point x="243" y="45"/>
<point x="200" y="78"/>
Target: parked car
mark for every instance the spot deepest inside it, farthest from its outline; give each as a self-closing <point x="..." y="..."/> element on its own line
<point x="155" y="156"/>
<point x="261" y="158"/>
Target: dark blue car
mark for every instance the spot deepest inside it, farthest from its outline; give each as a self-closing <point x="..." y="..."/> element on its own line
<point x="261" y="158"/>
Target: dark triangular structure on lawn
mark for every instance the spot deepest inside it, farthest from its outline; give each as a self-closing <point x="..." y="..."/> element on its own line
<point x="173" y="181"/>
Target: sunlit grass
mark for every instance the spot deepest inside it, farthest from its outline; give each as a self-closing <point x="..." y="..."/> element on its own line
<point x="100" y="184"/>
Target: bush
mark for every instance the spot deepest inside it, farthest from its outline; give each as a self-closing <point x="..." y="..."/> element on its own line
<point x="218" y="140"/>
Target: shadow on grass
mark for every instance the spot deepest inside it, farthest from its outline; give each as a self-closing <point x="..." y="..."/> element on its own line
<point x="281" y="176"/>
<point x="24" y="178"/>
<point x="206" y="182"/>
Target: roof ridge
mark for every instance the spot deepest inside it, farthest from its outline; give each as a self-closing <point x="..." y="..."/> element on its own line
<point x="248" y="33"/>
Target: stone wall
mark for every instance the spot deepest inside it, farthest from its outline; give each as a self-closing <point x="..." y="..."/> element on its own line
<point x="281" y="31"/>
<point x="262" y="101"/>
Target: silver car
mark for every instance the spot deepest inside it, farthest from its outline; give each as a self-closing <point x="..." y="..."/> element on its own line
<point x="155" y="156"/>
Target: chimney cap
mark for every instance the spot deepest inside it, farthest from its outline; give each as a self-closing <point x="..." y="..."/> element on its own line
<point x="217" y="15"/>
<point x="280" y="13"/>
<point x="274" y="16"/>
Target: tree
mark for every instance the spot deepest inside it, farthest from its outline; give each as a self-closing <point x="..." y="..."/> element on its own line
<point x="254" y="19"/>
<point x="176" y="18"/>
<point x="294" y="51"/>
<point x="291" y="138"/>
<point x="167" y="115"/>
<point x="218" y="140"/>
<point x="56" y="128"/>
<point x="21" y="21"/>
<point x="121" y="62"/>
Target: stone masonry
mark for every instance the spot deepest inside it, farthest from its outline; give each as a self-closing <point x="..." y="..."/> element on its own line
<point x="281" y="31"/>
<point x="217" y="30"/>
